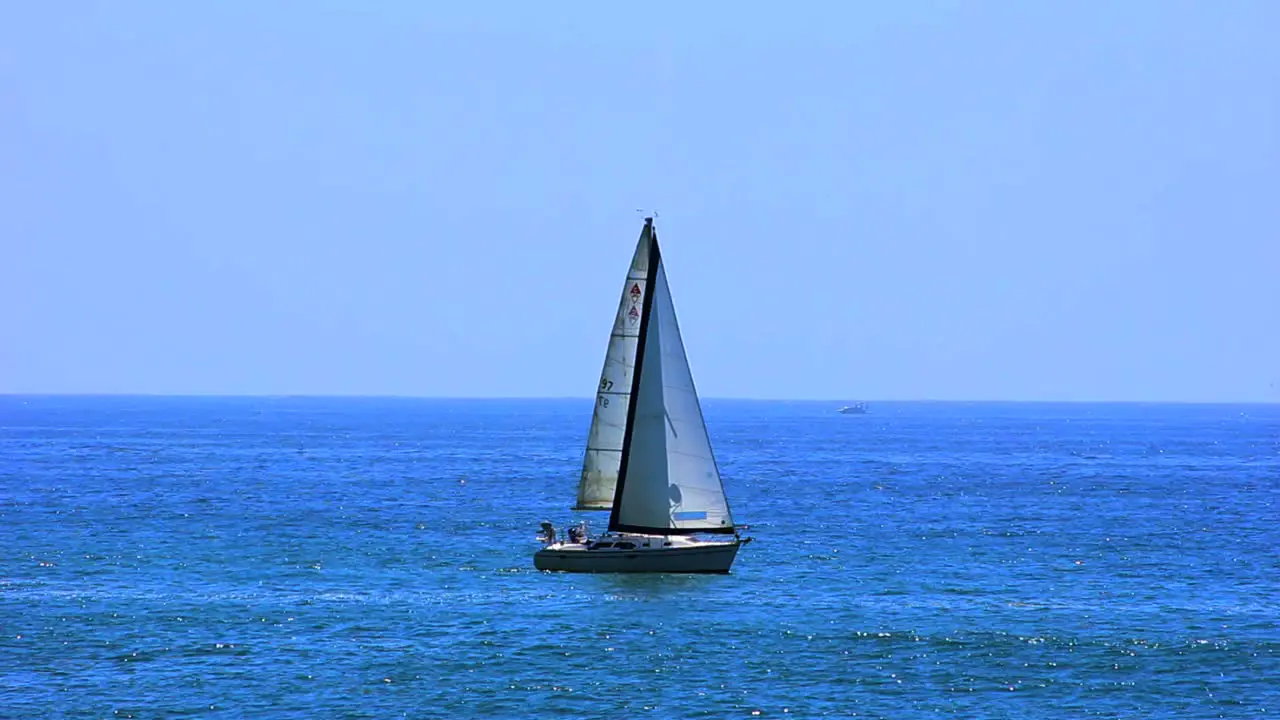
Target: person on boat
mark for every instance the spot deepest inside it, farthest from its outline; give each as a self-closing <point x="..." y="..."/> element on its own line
<point x="578" y="534"/>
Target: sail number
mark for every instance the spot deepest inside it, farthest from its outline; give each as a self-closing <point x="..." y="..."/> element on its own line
<point x="606" y="384"/>
<point x="604" y="401"/>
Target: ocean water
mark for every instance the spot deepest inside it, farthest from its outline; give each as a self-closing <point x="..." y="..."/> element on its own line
<point x="372" y="558"/>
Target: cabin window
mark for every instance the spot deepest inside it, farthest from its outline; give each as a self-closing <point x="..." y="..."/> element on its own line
<point x="625" y="546"/>
<point x="599" y="545"/>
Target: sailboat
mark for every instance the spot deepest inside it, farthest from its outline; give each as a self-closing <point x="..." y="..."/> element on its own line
<point x="666" y="488"/>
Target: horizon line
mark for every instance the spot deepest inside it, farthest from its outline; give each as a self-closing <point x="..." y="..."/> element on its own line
<point x="390" y="396"/>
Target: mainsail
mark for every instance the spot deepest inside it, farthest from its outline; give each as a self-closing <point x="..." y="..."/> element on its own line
<point x="613" y="395"/>
<point x="668" y="482"/>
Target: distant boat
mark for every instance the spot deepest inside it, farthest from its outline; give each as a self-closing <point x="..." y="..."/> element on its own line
<point x="664" y="486"/>
<point x="854" y="409"/>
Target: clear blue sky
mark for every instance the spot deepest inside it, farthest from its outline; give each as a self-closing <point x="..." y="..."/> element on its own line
<point x="891" y="200"/>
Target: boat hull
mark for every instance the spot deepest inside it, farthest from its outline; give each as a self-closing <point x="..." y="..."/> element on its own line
<point x="708" y="557"/>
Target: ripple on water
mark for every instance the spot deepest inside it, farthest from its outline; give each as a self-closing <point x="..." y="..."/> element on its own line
<point x="164" y="557"/>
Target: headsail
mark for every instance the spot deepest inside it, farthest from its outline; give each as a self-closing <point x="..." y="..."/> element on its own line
<point x="668" y="482"/>
<point x="609" y="421"/>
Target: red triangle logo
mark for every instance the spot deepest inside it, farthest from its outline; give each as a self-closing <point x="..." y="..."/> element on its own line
<point x="635" y="289"/>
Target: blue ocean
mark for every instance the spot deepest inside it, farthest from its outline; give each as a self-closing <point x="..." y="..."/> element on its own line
<point x="372" y="558"/>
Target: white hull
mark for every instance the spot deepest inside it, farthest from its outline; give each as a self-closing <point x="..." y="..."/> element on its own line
<point x="660" y="555"/>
